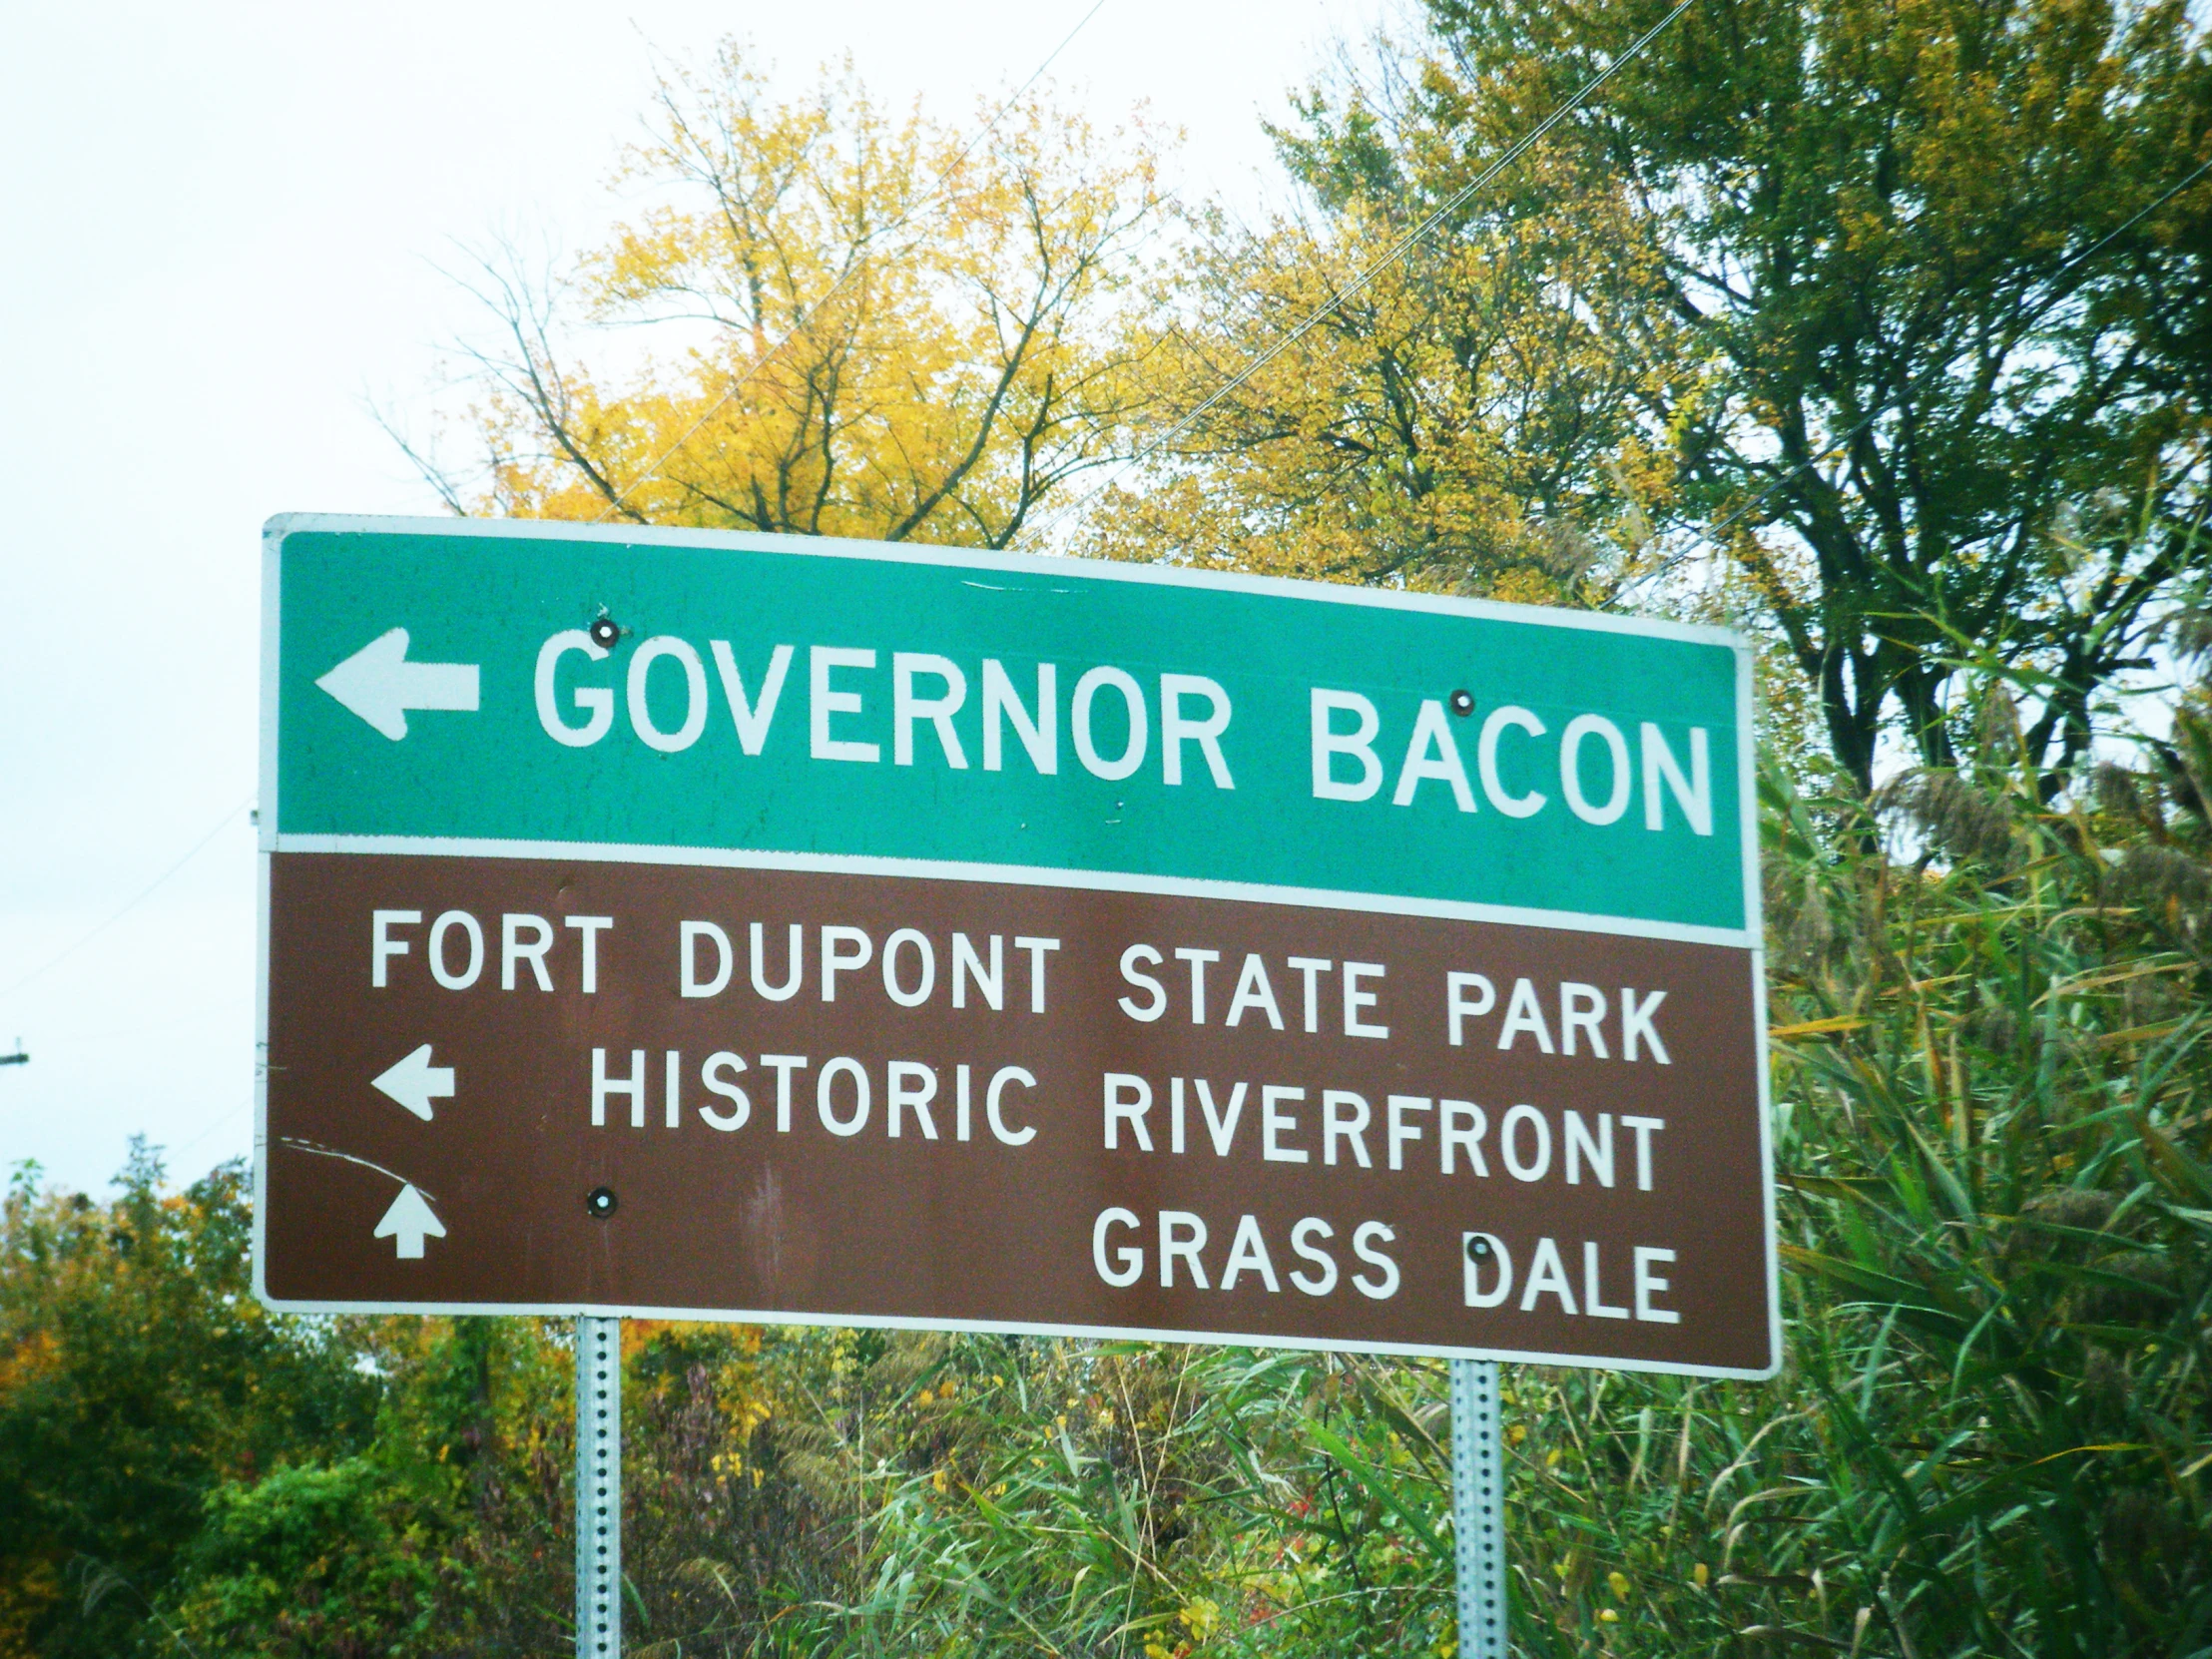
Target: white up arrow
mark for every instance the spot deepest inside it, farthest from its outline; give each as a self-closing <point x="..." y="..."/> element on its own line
<point x="410" y="1220"/>
<point x="381" y="685"/>
<point x="415" y="1083"/>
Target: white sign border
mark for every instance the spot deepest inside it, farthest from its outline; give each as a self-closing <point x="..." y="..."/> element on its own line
<point x="1751" y="938"/>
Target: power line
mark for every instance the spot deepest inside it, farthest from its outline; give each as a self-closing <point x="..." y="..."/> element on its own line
<point x="791" y="333"/>
<point x="70" y="951"/>
<point x="1398" y="250"/>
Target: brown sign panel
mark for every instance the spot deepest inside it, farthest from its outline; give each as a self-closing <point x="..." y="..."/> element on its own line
<point x="510" y="1084"/>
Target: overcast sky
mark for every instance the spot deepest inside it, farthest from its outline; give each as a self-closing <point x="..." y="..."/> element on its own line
<point x="225" y="226"/>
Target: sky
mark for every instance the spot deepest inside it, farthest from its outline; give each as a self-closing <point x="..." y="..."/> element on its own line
<point x="229" y="234"/>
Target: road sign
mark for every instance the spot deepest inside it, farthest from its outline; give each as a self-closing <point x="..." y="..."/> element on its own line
<point x="766" y="928"/>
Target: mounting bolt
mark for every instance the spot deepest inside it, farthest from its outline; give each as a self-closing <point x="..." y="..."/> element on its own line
<point x="1462" y="703"/>
<point x="600" y="1202"/>
<point x="604" y="633"/>
<point x="1478" y="1247"/>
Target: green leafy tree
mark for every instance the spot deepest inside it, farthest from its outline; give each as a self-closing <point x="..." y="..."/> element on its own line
<point x="1917" y="296"/>
<point x="138" y="1373"/>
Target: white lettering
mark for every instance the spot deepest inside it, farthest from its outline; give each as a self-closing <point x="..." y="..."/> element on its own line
<point x="1650" y="1285"/>
<point x="1547" y="1272"/>
<point x="1582" y="1007"/>
<point x="783" y="1065"/>
<point x="1432" y="753"/>
<point x="514" y="949"/>
<point x="1181" y="1234"/>
<point x="1501" y="720"/>
<point x="597" y="702"/>
<point x="1401" y="1130"/>
<point x="438" y="970"/>
<point x="1469" y="1139"/>
<point x="601" y="1086"/>
<point x="1386" y="1285"/>
<point x="591" y="927"/>
<point x="695" y="693"/>
<point x="1581" y="1149"/>
<point x="1248" y="1251"/>
<point x="1273" y="1124"/>
<point x="826" y="1108"/>
<point x="1330" y="743"/>
<point x="1693" y="793"/>
<point x="909" y="1083"/>
<point x="993" y="1105"/>
<point x="1326" y="1280"/>
<point x="382" y="948"/>
<point x="690" y="935"/>
<point x="967" y="965"/>
<point x="1310" y="969"/>
<point x="1570" y="769"/>
<point x="751" y="720"/>
<point x="835" y="961"/>
<point x="918" y="944"/>
<point x="1525" y="1013"/>
<point x="1508" y="1144"/>
<point x="1643" y="1129"/>
<point x="1040" y="737"/>
<point x="1337" y="1122"/>
<point x="795" y="953"/>
<point x="824" y="702"/>
<point x="1086" y="748"/>
<point x="1636" y="1026"/>
<point x="1176" y="729"/>
<point x="1128" y="1099"/>
<point x="1355" y="999"/>
<point x="1131" y="1259"/>
<point x="1591" y="1306"/>
<point x="1129" y="959"/>
<point x="1474" y="1249"/>
<point x="711" y="1075"/>
<point x="1458" y="1010"/>
<point x="1038" y="950"/>
<point x="906" y="707"/>
<point x="1253" y="991"/>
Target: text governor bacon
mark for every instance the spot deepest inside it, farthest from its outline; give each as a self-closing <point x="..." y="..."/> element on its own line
<point x="869" y="1097"/>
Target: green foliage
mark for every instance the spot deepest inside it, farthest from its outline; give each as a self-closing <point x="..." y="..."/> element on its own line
<point x="136" y="1372"/>
<point x="310" y="1560"/>
<point x="1912" y="295"/>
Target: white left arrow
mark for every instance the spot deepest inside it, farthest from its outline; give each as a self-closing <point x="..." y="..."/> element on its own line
<point x="381" y="685"/>
<point x="410" y="1222"/>
<point x="415" y="1083"/>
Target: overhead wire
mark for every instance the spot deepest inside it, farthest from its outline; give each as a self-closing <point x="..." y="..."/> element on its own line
<point x="146" y="892"/>
<point x="937" y="192"/>
<point x="1398" y="250"/>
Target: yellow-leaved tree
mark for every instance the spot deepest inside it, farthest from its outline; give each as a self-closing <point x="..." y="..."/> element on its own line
<point x="1463" y="419"/>
<point x="886" y="327"/>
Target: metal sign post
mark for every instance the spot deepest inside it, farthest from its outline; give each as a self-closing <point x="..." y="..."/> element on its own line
<point x="1478" y="1508"/>
<point x="598" y="1488"/>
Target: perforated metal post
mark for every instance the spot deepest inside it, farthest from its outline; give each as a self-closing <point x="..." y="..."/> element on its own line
<point x="598" y="1488"/>
<point x="1478" y="1508"/>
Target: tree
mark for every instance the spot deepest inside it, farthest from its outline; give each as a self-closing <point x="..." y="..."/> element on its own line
<point x="1907" y="291"/>
<point x="892" y="333"/>
<point x="138" y="1373"/>
<point x="1464" y="420"/>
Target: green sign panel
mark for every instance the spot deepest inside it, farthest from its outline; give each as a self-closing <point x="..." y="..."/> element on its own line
<point x="806" y="703"/>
